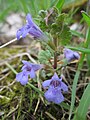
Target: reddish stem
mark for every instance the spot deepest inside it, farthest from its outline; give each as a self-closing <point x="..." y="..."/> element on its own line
<point x="55" y="55"/>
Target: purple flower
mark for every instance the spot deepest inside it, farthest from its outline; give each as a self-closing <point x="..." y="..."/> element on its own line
<point x="28" y="69"/>
<point x="71" y="55"/>
<point x="55" y="85"/>
<point x="30" y="28"/>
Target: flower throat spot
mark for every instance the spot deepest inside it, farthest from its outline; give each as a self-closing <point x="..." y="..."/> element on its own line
<point x="55" y="83"/>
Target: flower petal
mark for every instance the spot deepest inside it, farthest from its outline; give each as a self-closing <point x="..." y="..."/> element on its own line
<point x="76" y="55"/>
<point x="24" y="80"/>
<point x="19" y="76"/>
<point x="55" y="77"/>
<point x="59" y="98"/>
<point x="31" y="23"/>
<point x="27" y="65"/>
<point x="46" y="83"/>
<point x="49" y="95"/>
<point x="37" y="33"/>
<point x="18" y="34"/>
<point x="54" y="95"/>
<point x="32" y="74"/>
<point x="64" y="87"/>
<point x="36" y="67"/>
<point x="25" y="62"/>
<point x="22" y="77"/>
<point x="71" y="55"/>
<point x="24" y="67"/>
<point x="23" y="31"/>
<point x="29" y="20"/>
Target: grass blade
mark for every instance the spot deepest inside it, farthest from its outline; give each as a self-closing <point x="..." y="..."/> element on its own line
<point x="86" y="17"/>
<point x="24" y="5"/>
<point x="60" y="4"/>
<point x="4" y="12"/>
<point x="80" y="49"/>
<point x="88" y="55"/>
<point x="83" y="106"/>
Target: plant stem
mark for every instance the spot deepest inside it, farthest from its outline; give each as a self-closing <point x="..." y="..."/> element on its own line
<point x="55" y="60"/>
<point x="10" y="67"/>
<point x="36" y="89"/>
<point x="55" y="54"/>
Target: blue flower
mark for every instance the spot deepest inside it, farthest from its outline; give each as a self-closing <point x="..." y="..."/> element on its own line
<point x="71" y="55"/>
<point x="30" y="28"/>
<point x="55" y="85"/>
<point x="28" y="69"/>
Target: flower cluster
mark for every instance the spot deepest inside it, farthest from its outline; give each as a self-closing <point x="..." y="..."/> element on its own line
<point x="55" y="85"/>
<point x="30" y="28"/>
<point x="28" y="69"/>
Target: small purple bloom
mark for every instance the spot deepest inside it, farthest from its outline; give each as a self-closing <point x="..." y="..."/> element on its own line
<point x="28" y="69"/>
<point x="30" y="28"/>
<point x="55" y="85"/>
<point x="71" y="55"/>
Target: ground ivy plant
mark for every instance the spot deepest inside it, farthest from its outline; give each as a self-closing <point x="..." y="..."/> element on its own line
<point x="53" y="33"/>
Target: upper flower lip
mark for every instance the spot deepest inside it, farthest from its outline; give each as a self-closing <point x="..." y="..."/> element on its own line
<point x="30" y="22"/>
<point x="31" y="65"/>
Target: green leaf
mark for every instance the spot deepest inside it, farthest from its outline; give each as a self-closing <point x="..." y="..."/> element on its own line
<point x="60" y="30"/>
<point x="48" y="18"/>
<point x="61" y="18"/>
<point x="60" y="4"/>
<point x="83" y="105"/>
<point x="86" y="17"/>
<point x="44" y="56"/>
<point x="65" y="35"/>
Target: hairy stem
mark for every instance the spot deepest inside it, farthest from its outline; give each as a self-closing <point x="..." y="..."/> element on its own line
<point x="55" y="54"/>
<point x="55" y="60"/>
